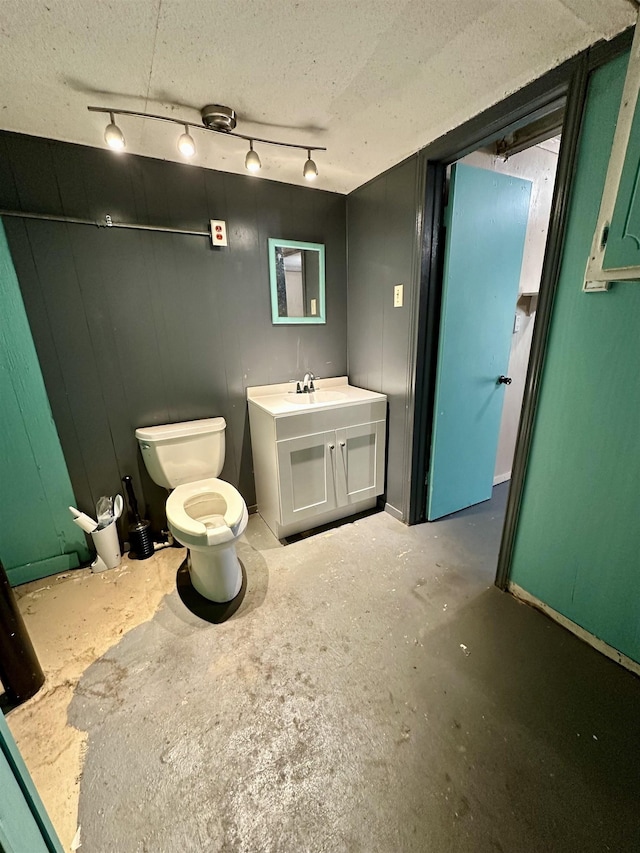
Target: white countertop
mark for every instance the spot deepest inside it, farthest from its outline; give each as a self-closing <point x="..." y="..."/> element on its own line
<point x="332" y="393"/>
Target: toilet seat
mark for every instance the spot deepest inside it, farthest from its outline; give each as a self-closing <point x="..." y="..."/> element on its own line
<point x="207" y="512"/>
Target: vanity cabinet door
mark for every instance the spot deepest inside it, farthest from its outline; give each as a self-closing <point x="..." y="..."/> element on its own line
<point x="360" y="462"/>
<point x="307" y="476"/>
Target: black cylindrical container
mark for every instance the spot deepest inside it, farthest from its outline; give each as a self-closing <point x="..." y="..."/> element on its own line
<point x="140" y="539"/>
<point x="20" y="671"/>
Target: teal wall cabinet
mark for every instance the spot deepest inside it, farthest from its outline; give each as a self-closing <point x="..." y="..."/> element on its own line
<point x="615" y="249"/>
<point x="37" y="536"/>
<point x="623" y="239"/>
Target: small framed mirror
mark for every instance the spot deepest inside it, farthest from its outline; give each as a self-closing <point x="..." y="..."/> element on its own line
<point x="296" y="272"/>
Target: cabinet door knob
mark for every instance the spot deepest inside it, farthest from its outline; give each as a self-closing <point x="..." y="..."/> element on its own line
<point x="504" y="380"/>
<point x="332" y="447"/>
<point x="343" y="444"/>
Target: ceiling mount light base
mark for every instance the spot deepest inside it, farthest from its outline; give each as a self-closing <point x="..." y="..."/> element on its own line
<point x="217" y="117"/>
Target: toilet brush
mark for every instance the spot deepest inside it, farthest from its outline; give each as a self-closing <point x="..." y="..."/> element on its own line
<point x="140" y="541"/>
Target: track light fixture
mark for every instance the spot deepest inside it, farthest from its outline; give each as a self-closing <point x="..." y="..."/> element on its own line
<point x="113" y="136"/>
<point x="252" y="161"/>
<point x="310" y="171"/>
<point x="186" y="145"/>
<point x="215" y="119"/>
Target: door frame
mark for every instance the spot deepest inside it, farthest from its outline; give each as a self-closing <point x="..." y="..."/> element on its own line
<point x="565" y="85"/>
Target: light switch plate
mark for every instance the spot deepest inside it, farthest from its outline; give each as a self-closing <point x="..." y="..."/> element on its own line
<point x="397" y="295"/>
<point x="219" y="232"/>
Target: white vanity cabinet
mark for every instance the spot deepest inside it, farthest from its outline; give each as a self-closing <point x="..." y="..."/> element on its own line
<point x="317" y="458"/>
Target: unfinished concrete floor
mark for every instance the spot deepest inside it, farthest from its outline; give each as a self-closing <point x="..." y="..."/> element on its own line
<point x="374" y="692"/>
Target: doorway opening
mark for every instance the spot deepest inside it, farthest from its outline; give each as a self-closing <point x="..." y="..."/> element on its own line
<point x="563" y="89"/>
<point x="496" y="217"/>
<point x="538" y="164"/>
<point x="492" y="220"/>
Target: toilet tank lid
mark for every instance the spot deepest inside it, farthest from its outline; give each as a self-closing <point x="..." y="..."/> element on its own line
<point x="166" y="432"/>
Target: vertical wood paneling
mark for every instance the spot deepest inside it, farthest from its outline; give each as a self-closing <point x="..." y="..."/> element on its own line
<point x="7" y="182"/>
<point x="35" y="178"/>
<point x="42" y="332"/>
<point x="35" y="491"/>
<point x="136" y="328"/>
<point x="67" y="316"/>
<point x="383" y="252"/>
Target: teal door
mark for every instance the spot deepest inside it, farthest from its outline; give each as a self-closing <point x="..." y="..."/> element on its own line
<point x="37" y="535"/>
<point x="486" y="223"/>
<point x="24" y="824"/>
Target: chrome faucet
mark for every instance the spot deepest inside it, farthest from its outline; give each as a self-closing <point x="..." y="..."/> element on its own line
<point x="304" y="386"/>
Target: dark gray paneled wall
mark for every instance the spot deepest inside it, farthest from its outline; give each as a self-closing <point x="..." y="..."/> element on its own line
<point x="135" y="328"/>
<point x="383" y="227"/>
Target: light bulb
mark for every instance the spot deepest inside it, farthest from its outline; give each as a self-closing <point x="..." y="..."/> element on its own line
<point x="186" y="145"/>
<point x="252" y="161"/>
<point x="310" y="171"/>
<point x="113" y="136"/>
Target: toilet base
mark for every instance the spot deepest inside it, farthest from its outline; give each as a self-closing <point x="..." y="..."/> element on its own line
<point x="216" y="572"/>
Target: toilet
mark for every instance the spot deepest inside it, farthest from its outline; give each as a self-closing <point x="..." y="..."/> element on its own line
<point x="204" y="514"/>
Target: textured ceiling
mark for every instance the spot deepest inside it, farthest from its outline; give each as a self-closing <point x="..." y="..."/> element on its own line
<point x="372" y="80"/>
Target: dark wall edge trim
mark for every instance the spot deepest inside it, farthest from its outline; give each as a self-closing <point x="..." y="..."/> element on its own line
<point x="427" y="335"/>
<point x="604" y="51"/>
<point x="415" y="323"/>
<point x="567" y="162"/>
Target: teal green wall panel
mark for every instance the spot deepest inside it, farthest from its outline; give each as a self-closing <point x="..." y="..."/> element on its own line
<point x="44" y="568"/>
<point x="578" y="540"/>
<point x="35" y="490"/>
<point x="25" y="826"/>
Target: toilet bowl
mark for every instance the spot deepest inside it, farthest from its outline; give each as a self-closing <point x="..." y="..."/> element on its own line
<point x="207" y="517"/>
<point x="204" y="513"/>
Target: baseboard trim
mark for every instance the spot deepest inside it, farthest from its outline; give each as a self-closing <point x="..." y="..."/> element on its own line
<point x="501" y="478"/>
<point x="43" y="568"/>
<point x="599" y="645"/>
<point x="396" y="513"/>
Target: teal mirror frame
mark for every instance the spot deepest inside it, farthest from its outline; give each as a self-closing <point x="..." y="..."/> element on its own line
<point x="276" y="319"/>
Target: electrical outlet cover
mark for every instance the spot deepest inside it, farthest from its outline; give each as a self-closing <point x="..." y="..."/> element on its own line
<point x="219" y="232"/>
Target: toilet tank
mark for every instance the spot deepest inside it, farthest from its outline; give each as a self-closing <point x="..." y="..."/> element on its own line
<point x="183" y="453"/>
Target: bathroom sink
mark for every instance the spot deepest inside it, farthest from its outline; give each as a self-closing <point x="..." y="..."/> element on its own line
<point x="317" y="457"/>
<point x="315" y="397"/>
<point x="335" y="392"/>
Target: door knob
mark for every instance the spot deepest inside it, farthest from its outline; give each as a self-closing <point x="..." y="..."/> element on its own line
<point x="504" y="380"/>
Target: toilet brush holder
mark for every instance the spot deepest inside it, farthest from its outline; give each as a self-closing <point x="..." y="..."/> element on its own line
<point x="140" y="538"/>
